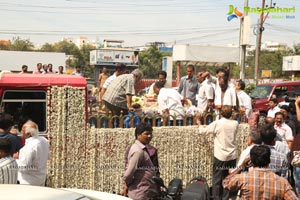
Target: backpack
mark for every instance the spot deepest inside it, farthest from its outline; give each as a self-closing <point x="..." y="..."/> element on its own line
<point x="197" y="189"/>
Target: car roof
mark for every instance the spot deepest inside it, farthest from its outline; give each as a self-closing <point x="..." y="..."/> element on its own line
<point x="97" y="195"/>
<point x="281" y="83"/>
<point x="29" y="192"/>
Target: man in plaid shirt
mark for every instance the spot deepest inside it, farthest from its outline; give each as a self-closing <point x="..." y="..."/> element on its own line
<point x="259" y="182"/>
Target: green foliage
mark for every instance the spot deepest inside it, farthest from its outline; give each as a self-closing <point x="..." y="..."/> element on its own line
<point x="269" y="60"/>
<point x="48" y="48"/>
<point x="151" y="61"/>
<point x="249" y="88"/>
<point x="18" y="44"/>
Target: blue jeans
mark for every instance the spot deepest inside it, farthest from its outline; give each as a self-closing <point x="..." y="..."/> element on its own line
<point x="296" y="174"/>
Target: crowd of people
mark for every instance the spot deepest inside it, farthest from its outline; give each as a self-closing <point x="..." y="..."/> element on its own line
<point x="48" y="69"/>
<point x="264" y="169"/>
<point x="22" y="161"/>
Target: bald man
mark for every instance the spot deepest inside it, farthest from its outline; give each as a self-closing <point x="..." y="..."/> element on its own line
<point x="33" y="156"/>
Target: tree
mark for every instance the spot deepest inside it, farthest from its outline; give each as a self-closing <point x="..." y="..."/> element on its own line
<point x="48" y="48"/>
<point x="269" y="60"/>
<point x="18" y="44"/>
<point x="84" y="60"/>
<point x="151" y="61"/>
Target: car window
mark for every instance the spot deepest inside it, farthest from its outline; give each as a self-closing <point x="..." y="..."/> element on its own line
<point x="261" y="92"/>
<point x="280" y="91"/>
<point x="296" y="89"/>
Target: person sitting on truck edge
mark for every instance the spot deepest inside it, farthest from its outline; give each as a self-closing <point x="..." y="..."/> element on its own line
<point x="274" y="108"/>
<point x="60" y="70"/>
<point x="50" y="69"/>
<point x="24" y="69"/>
<point x="38" y="69"/>
<point x="45" y="68"/>
<point x="77" y="71"/>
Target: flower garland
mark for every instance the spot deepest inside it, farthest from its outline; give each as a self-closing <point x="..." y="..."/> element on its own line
<point x="94" y="158"/>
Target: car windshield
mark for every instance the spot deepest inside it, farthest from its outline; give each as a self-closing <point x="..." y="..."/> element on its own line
<point x="261" y="91"/>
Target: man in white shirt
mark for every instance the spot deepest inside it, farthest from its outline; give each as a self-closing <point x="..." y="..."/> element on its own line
<point x="244" y="99"/>
<point x="224" y="95"/>
<point x="283" y="130"/>
<point x="33" y="156"/>
<point x="274" y="108"/>
<point x="205" y="95"/>
<point x="225" y="149"/>
<point x="253" y="139"/>
<point x="169" y="101"/>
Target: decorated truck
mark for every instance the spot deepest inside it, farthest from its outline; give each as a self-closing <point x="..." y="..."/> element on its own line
<point x="31" y="96"/>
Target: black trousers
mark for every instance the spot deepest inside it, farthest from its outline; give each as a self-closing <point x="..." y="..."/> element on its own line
<point x="115" y="110"/>
<point x="220" y="171"/>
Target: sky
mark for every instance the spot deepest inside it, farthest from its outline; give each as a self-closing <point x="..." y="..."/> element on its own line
<point x="137" y="22"/>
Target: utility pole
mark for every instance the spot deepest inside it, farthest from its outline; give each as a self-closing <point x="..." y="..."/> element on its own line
<point x="243" y="45"/>
<point x="259" y="31"/>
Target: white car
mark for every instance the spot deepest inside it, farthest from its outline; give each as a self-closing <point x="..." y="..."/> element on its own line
<point x="28" y="192"/>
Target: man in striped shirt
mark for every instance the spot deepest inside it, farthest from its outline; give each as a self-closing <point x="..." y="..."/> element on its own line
<point x="118" y="95"/>
<point x="8" y="165"/>
<point x="259" y="182"/>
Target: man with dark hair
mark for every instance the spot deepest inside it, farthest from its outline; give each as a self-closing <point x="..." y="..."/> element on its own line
<point x="50" y="68"/>
<point x="120" y="69"/>
<point x="273" y="104"/>
<point x="188" y="86"/>
<point x="45" y="68"/>
<point x="206" y="94"/>
<point x="8" y="165"/>
<point x="279" y="163"/>
<point x="225" y="149"/>
<point x="140" y="169"/>
<point x="5" y="126"/>
<point x="78" y="71"/>
<point x="24" y="69"/>
<point x="162" y="77"/>
<point x="38" y="68"/>
<point x="283" y="130"/>
<point x="245" y="103"/>
<point x="259" y="182"/>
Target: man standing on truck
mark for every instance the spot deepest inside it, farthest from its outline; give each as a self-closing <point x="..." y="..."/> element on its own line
<point x="118" y="96"/>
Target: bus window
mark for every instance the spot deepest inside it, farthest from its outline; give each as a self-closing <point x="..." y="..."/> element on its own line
<point x="24" y="105"/>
